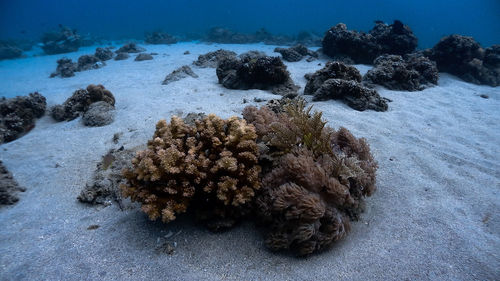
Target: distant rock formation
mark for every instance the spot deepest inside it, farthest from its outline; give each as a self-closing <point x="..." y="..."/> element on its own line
<point x="130" y="48"/>
<point x="160" y="38"/>
<point x="464" y="57"/>
<point x="361" y="47"/>
<point x="9" y="51"/>
<point x="65" y="40"/>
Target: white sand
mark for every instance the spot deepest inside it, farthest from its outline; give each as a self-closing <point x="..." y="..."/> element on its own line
<point x="435" y="215"/>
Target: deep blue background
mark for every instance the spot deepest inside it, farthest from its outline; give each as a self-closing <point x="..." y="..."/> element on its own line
<point x="429" y="19"/>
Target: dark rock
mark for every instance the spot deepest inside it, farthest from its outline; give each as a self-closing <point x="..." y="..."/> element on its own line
<point x="265" y="73"/>
<point x="130" y="48"/>
<point x="98" y="114"/>
<point x="9" y="51"/>
<point x="143" y="56"/>
<point x="250" y="55"/>
<point x="122" y="56"/>
<point x="65" y="68"/>
<point x="361" y="47"/>
<point x="226" y="36"/>
<point x="295" y="53"/>
<point x="354" y="94"/>
<point x="212" y="59"/>
<point x="80" y="101"/>
<point x="87" y="62"/>
<point x="18" y="115"/>
<point x="104" y="187"/>
<point x="412" y="73"/>
<point x="187" y="53"/>
<point x="103" y="54"/>
<point x="337" y="70"/>
<point x="8" y="187"/>
<point x="160" y="38"/>
<point x="339" y="81"/>
<point x="396" y="38"/>
<point x="465" y="58"/>
<point x="178" y="74"/>
<point x="63" y="41"/>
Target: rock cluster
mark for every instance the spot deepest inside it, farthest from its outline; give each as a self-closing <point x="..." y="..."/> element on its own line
<point x="340" y="81"/>
<point x="18" y="115"/>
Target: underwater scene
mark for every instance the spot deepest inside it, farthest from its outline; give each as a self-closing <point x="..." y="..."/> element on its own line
<point x="249" y="140"/>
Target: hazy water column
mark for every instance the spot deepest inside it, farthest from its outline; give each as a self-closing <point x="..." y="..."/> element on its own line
<point x="125" y="19"/>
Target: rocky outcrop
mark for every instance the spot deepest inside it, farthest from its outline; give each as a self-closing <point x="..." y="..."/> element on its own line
<point x="296" y="53"/>
<point x="265" y="73"/>
<point x="8" y="187"/>
<point x="362" y="47"/>
<point x="160" y="38"/>
<point x="178" y="74"/>
<point x="18" y="115"/>
<point x="130" y="48"/>
<point x="339" y="81"/>
<point x="212" y="59"/>
<point x="464" y="57"/>
<point x="65" y="40"/>
<point x="143" y="56"/>
<point x="412" y="72"/>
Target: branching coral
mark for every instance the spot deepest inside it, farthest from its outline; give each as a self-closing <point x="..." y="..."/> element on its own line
<point x="211" y="166"/>
<point x="318" y="180"/>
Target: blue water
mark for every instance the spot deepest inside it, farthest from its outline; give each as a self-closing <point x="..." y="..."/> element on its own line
<point x="114" y="19"/>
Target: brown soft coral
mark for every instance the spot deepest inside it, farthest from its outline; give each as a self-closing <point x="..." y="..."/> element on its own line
<point x="318" y="180"/>
<point x="211" y="166"/>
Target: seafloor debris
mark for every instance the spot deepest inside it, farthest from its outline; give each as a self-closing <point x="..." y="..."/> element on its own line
<point x="8" y="187"/>
<point x="210" y="168"/>
<point x="361" y="47"/>
<point x="464" y="57"/>
<point x="413" y="72"/>
<point x="265" y="73"/>
<point x="178" y="74"/>
<point x="80" y="102"/>
<point x="212" y="59"/>
<point x="65" y="40"/>
<point x="339" y="81"/>
<point x="314" y="181"/>
<point x="18" y="115"/>
<point x="296" y="53"/>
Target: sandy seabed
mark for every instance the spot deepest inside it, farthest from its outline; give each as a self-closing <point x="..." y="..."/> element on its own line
<point x="434" y="216"/>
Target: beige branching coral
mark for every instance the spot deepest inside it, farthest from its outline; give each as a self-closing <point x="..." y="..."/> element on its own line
<point x="318" y="178"/>
<point x="211" y="166"/>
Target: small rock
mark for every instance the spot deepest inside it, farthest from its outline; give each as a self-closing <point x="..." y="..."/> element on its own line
<point x="99" y="114"/>
<point x="93" y="227"/>
<point x="143" y="56"/>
